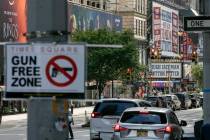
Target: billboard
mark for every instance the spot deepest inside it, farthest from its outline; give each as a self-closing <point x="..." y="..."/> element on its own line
<point x="165" y="28"/>
<point x="164" y="70"/>
<point x="13" y="20"/>
<point x="45" y="70"/>
<point x="84" y="18"/>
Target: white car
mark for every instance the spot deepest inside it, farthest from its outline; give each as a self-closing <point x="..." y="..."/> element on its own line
<point x="148" y="123"/>
<point x="107" y="112"/>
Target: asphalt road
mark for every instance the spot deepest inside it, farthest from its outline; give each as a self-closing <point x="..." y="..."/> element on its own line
<point x="16" y="130"/>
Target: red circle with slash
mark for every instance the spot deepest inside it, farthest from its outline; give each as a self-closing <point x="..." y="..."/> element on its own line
<point x="70" y="77"/>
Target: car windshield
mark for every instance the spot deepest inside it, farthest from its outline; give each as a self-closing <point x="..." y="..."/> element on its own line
<point x="168" y="98"/>
<point x="151" y="98"/>
<point x="136" y="117"/>
<point x="181" y="97"/>
<point x="113" y="108"/>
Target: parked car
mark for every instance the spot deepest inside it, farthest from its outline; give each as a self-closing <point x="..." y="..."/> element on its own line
<point x="173" y="101"/>
<point x="148" y="124"/>
<point x="185" y="100"/>
<point x="107" y="112"/>
<point x="201" y="101"/>
<point x="195" y="100"/>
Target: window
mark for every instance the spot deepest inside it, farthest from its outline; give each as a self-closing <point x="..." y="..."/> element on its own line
<point x="93" y="4"/>
<point x="136" y="29"/>
<point x="98" y="5"/>
<point x="144" y="104"/>
<point x="140" y="27"/>
<point x="113" y="107"/>
<point x="137" y="117"/>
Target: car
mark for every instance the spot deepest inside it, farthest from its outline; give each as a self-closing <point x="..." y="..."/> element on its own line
<point x="185" y="100"/>
<point x="195" y="100"/>
<point x="201" y="101"/>
<point x="173" y="101"/>
<point x="157" y="101"/>
<point x="148" y="123"/>
<point x="107" y="112"/>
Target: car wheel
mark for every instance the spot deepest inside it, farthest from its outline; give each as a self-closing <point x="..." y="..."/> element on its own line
<point x="174" y="108"/>
<point x="186" y="107"/>
<point x="198" y="105"/>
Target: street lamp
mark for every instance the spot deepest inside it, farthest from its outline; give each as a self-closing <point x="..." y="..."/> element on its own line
<point x="168" y="73"/>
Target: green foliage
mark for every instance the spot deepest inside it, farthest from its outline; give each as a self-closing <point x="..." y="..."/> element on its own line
<point x="197" y="73"/>
<point x="106" y="64"/>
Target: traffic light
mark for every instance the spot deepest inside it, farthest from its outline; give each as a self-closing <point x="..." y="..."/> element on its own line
<point x="155" y="53"/>
<point x="152" y="53"/>
<point x="128" y="74"/>
<point x="194" y="56"/>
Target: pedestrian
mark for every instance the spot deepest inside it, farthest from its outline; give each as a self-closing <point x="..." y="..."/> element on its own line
<point x="72" y="108"/>
<point x="72" y="112"/>
<point x="70" y="120"/>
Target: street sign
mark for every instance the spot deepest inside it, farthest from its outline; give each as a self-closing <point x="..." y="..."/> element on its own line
<point x="197" y="23"/>
<point x="45" y="70"/>
<point x="57" y="68"/>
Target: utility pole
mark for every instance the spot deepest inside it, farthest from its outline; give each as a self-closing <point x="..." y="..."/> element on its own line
<point x="44" y="19"/>
<point x="206" y="63"/>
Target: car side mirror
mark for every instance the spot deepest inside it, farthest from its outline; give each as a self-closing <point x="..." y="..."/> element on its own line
<point x="183" y="123"/>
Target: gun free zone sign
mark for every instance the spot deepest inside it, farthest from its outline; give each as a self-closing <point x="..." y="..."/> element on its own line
<point x="45" y="70"/>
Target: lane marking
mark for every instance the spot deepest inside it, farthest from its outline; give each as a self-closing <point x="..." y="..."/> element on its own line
<point x="13" y="134"/>
<point x="81" y="131"/>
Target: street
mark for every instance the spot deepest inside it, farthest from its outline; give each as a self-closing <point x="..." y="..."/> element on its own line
<point x="16" y="129"/>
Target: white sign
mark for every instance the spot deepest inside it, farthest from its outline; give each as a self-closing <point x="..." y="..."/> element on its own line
<point x="45" y="68"/>
<point x="165" y="70"/>
<point x="198" y="23"/>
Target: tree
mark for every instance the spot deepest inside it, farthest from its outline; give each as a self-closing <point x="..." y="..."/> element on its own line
<point x="105" y="64"/>
<point x="197" y="74"/>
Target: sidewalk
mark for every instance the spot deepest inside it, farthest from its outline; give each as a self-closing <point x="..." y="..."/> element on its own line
<point x="77" y="112"/>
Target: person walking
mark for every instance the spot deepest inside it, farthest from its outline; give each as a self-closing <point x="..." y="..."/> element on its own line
<point x="70" y="121"/>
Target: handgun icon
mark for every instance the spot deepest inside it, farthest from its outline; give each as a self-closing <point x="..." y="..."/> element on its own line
<point x="55" y="71"/>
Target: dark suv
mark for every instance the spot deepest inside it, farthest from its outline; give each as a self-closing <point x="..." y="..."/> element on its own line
<point x="185" y="100"/>
<point x="107" y="112"/>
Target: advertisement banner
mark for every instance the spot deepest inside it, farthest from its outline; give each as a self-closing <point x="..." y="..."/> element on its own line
<point x="13" y="20"/>
<point x="166" y="70"/>
<point x="84" y="18"/>
<point x="165" y="28"/>
<point x="187" y="47"/>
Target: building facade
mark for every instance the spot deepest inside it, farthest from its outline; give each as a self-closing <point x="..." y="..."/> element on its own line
<point x="172" y="49"/>
<point x="134" y="14"/>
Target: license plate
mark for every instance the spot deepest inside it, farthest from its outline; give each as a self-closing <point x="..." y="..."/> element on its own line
<point x="142" y="133"/>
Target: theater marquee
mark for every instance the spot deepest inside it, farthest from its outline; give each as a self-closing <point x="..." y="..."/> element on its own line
<point x="164" y="70"/>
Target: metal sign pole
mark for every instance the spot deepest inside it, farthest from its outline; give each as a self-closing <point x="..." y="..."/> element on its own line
<point x="44" y="114"/>
<point x="206" y="47"/>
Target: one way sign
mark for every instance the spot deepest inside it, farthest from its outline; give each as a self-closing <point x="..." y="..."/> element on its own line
<point x="197" y="23"/>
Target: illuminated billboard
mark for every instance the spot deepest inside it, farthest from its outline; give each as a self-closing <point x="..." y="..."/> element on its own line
<point x="165" y="28"/>
<point x="13" y="20"/>
<point x="84" y="18"/>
